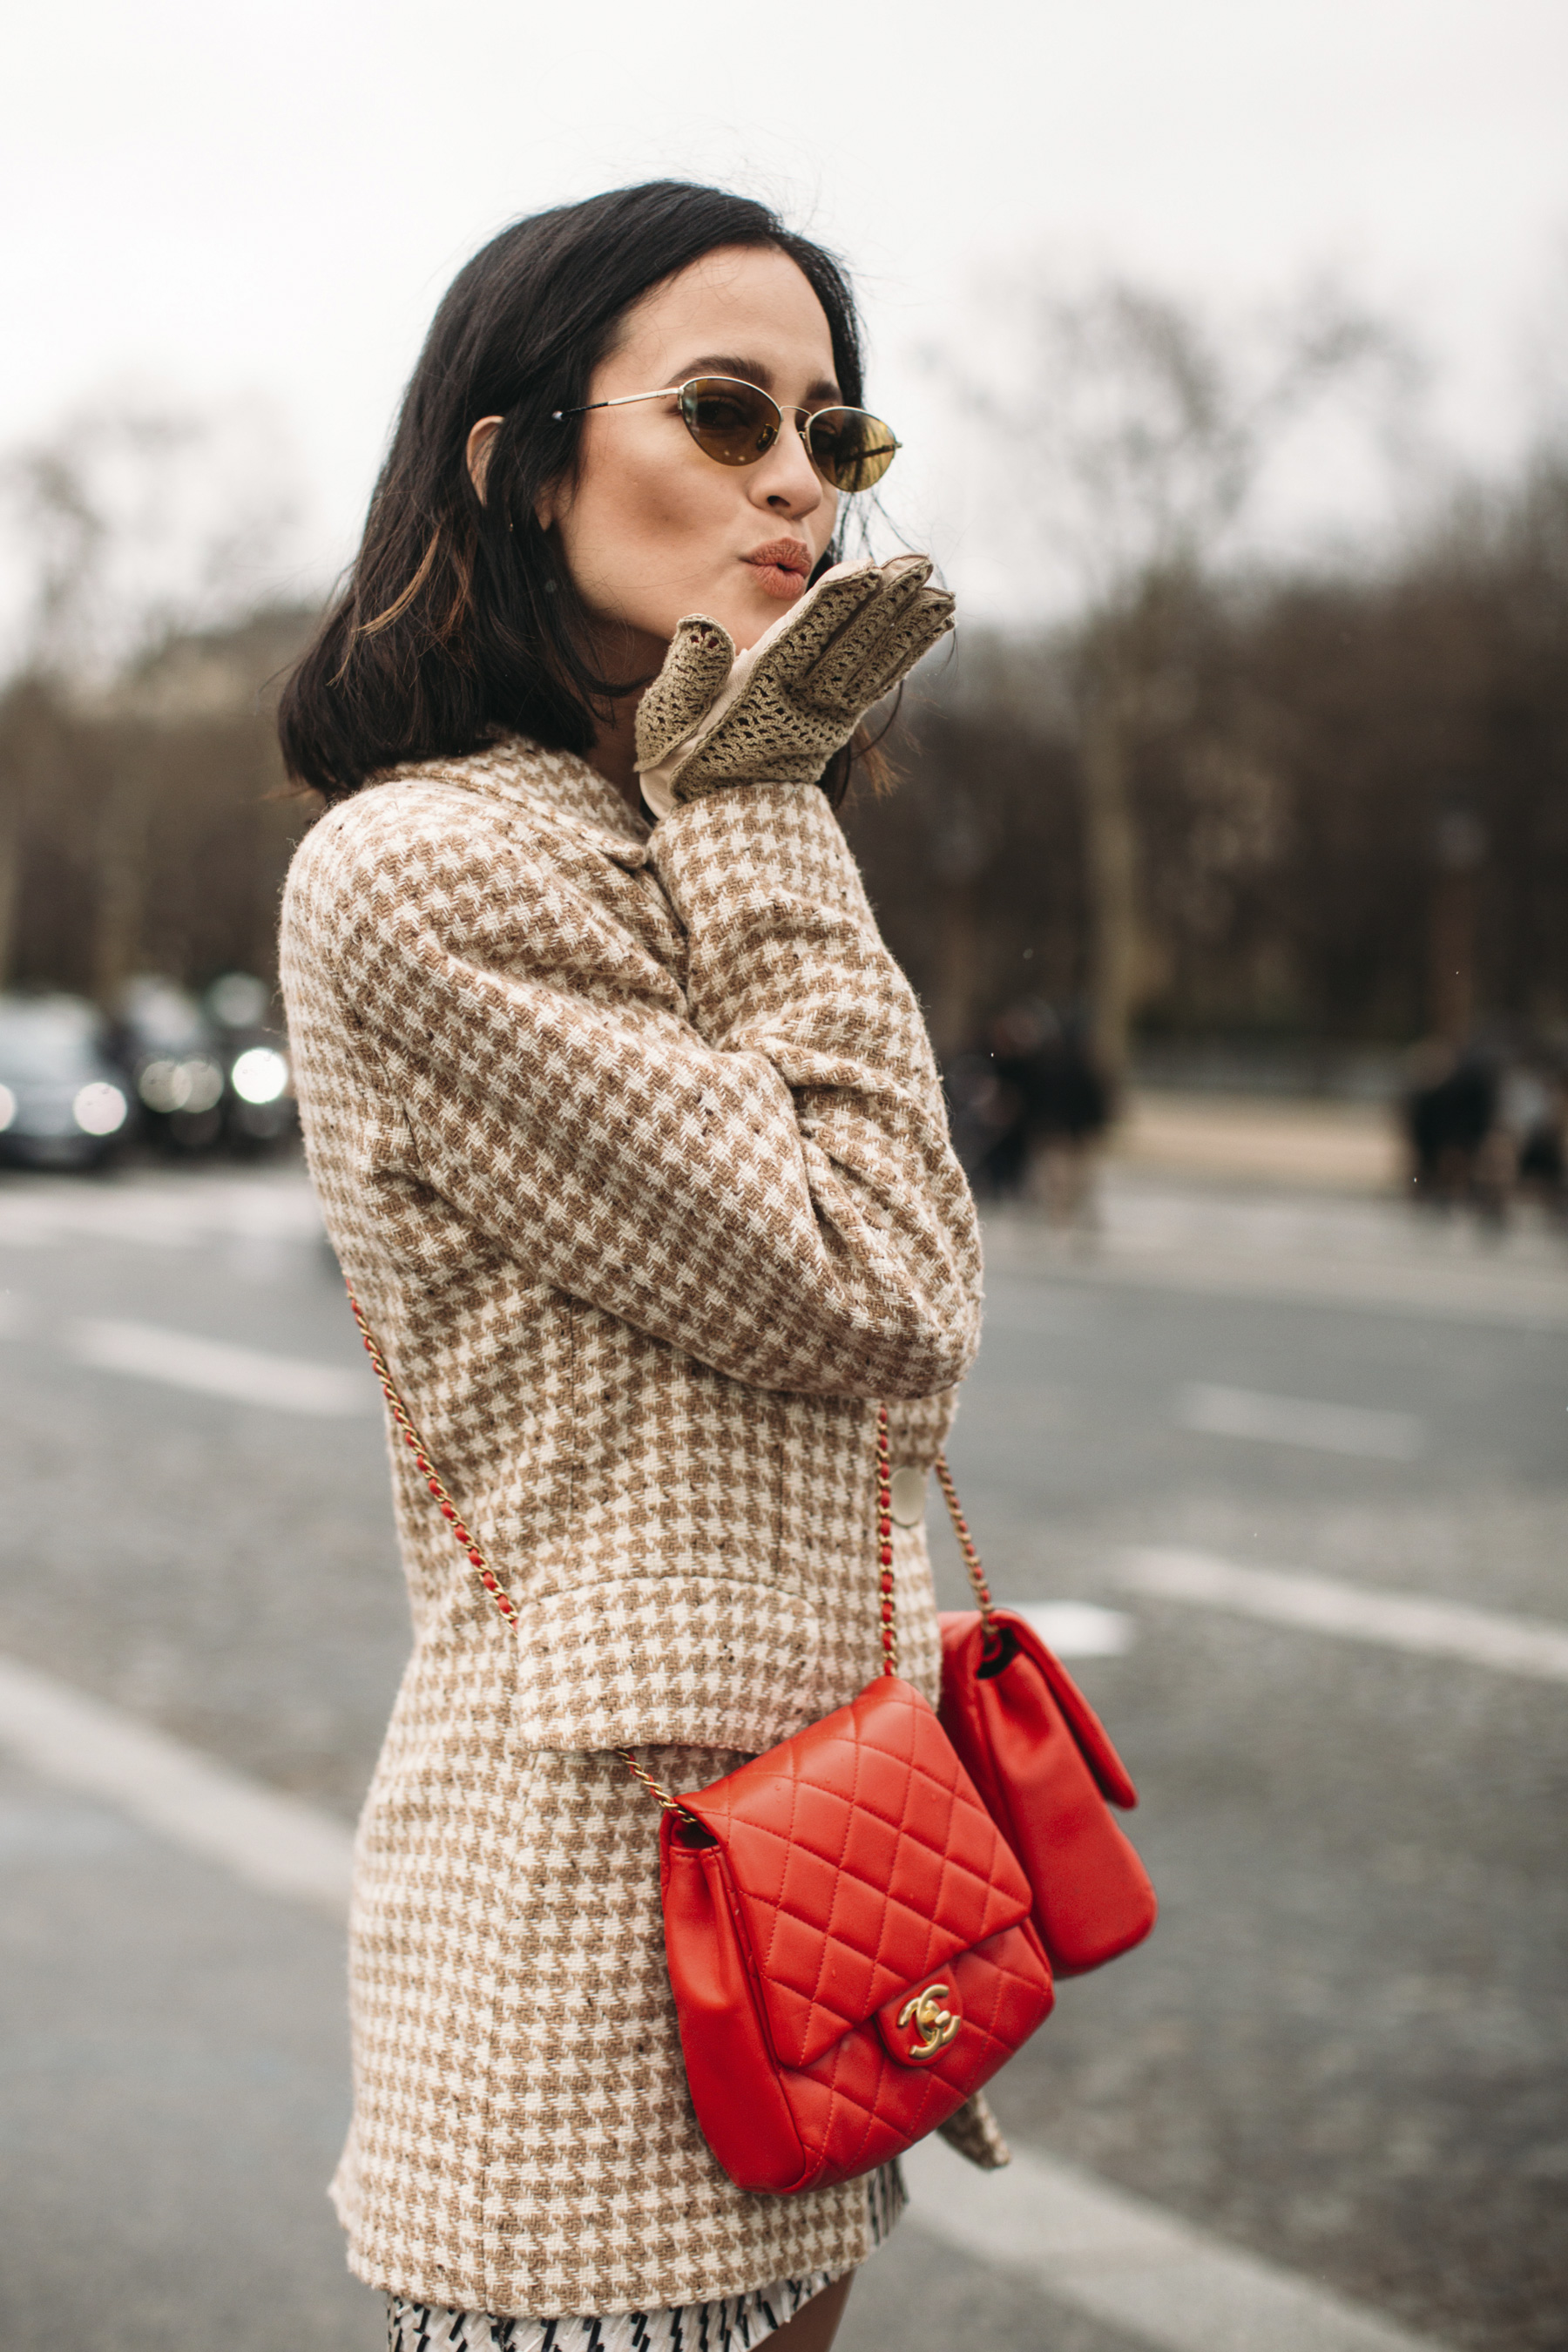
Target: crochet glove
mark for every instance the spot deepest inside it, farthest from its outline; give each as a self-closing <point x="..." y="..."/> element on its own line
<point x="776" y="714"/>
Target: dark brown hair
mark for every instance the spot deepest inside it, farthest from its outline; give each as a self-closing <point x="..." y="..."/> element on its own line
<point x="458" y="621"/>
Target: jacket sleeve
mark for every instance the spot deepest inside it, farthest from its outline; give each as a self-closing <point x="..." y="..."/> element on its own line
<point x="758" y="1171"/>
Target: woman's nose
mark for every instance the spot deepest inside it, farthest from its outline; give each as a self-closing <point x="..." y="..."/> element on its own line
<point x="785" y="481"/>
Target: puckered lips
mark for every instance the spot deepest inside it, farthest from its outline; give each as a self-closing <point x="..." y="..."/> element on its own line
<point x="782" y="567"/>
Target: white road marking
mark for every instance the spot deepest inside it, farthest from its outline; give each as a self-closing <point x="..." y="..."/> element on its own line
<point x="1079" y="1628"/>
<point x="1299" y="1421"/>
<point x="1085" y="2242"/>
<point x="217" y="1368"/>
<point x="160" y="1212"/>
<point x="1380" y="1258"/>
<point x="270" y="1840"/>
<point x="1354" y="1613"/>
<point x="1130" y="2264"/>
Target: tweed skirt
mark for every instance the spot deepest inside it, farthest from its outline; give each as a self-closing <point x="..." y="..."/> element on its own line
<point x="523" y="2141"/>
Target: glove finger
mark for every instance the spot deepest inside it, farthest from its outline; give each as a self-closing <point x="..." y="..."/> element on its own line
<point x="903" y="584"/>
<point x="817" y="619"/>
<point x="881" y="645"/>
<point x="927" y="621"/>
<point x="700" y="658"/>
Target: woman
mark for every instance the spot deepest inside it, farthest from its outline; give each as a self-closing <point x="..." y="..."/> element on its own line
<point x="630" y="1142"/>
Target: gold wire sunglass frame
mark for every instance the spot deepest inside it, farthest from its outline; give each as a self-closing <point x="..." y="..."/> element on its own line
<point x="687" y="395"/>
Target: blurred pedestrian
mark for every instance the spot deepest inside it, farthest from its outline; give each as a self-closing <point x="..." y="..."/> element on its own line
<point x="630" y="1140"/>
<point x="1014" y="1044"/>
<point x="1068" y="1113"/>
<point x="1535" y="1114"/>
<point x="1049" y="1107"/>
<point x="1457" y="1157"/>
<point x="979" y="1110"/>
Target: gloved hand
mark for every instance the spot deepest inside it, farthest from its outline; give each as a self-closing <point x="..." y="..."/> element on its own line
<point x="776" y="714"/>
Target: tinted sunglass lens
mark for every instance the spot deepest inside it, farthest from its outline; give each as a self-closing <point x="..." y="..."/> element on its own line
<point x="849" y="448"/>
<point x="732" y="422"/>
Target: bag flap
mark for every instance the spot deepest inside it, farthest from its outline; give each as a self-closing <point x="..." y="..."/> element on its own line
<point x="860" y="1859"/>
<point x="1092" y="1739"/>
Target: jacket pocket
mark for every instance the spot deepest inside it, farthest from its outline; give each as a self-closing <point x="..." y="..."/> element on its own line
<point x="677" y="1468"/>
<point x="707" y="1661"/>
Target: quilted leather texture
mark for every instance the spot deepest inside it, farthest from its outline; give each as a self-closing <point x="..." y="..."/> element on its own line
<point x="861" y="1858"/>
<point x="843" y="1871"/>
<point x="1043" y="1764"/>
<point x="858" y="2106"/>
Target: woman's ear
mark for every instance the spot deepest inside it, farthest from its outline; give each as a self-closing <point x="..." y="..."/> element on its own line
<point x="480" y="437"/>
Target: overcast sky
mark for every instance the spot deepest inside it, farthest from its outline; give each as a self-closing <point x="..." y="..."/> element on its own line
<point x="215" y="203"/>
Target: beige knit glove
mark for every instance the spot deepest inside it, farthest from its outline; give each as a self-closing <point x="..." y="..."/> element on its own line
<point x="777" y="713"/>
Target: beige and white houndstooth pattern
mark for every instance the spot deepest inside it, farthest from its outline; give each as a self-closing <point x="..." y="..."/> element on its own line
<point x="634" y="1149"/>
<point x="736" y="2323"/>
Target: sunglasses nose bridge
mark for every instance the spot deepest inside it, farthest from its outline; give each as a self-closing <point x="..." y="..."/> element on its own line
<point x="800" y="419"/>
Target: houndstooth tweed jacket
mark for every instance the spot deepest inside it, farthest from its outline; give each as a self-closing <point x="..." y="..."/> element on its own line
<point x="632" y="1145"/>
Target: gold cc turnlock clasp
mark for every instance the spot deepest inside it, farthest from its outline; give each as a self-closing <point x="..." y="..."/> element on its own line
<point x="935" y="2024"/>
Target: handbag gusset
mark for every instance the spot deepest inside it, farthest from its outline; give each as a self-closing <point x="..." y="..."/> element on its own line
<point x="1046" y="1770"/>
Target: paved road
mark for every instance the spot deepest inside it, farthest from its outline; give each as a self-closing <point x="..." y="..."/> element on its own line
<point x="1345" y="2048"/>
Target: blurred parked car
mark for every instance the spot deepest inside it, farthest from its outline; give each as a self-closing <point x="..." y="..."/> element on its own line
<point x="258" y="1099"/>
<point x="173" y="1057"/>
<point x="63" y="1103"/>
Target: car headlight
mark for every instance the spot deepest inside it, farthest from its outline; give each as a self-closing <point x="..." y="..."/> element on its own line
<point x="99" y="1109"/>
<point x="259" y="1075"/>
<point x="204" y="1083"/>
<point x="193" y="1084"/>
<point x="7" y="1108"/>
<point x="163" y="1086"/>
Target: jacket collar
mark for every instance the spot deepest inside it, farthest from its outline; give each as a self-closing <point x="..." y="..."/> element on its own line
<point x="557" y="786"/>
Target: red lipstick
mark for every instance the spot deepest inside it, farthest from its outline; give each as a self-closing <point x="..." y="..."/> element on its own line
<point x="782" y="567"/>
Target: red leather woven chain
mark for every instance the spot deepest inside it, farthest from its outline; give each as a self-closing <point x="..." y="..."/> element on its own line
<point x="427" y="1470"/>
<point x="965" y="1541"/>
<point x="885" y="1544"/>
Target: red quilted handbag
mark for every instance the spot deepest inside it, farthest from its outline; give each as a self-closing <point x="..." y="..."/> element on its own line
<point x="850" y="1945"/>
<point x="847" y="1934"/>
<point x="1045" y="1767"/>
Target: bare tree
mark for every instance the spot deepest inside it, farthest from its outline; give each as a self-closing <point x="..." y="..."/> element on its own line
<point x="128" y="524"/>
<point x="132" y="521"/>
<point x="1133" y="440"/>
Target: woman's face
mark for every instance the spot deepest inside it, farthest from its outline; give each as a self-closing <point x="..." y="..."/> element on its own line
<point x="652" y="528"/>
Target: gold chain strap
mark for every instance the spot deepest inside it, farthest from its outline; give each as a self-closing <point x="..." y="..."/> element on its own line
<point x="885" y="1544"/>
<point x="965" y="1542"/>
<point x="432" y="1476"/>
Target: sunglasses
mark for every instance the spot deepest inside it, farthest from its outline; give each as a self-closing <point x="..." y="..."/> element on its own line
<point x="735" y="424"/>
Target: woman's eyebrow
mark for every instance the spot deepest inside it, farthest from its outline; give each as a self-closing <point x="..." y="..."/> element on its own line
<point x="757" y="372"/>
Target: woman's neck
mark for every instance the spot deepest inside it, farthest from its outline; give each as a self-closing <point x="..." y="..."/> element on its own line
<point x="615" y="749"/>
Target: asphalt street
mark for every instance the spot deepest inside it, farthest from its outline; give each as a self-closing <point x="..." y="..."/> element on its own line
<point x="1345" y="2049"/>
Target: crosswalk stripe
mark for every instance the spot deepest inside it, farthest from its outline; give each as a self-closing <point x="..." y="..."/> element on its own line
<point x="1354" y="1613"/>
<point x="1131" y="2263"/>
<point x="1079" y="1628"/>
<point x="269" y="1839"/>
<point x="218" y="1368"/>
<point x="1212" y="1411"/>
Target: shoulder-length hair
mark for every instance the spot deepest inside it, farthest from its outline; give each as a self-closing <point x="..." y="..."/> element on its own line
<point x="458" y="621"/>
